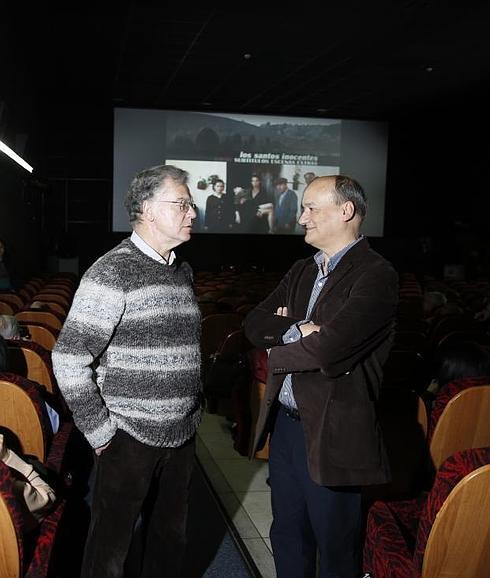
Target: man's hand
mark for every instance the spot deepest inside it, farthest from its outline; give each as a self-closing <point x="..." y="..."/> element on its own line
<point x="308" y="328"/>
<point x="282" y="311"/>
<point x="98" y="451"/>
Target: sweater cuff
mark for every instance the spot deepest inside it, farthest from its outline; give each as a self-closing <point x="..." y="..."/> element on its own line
<point x="102" y="435"/>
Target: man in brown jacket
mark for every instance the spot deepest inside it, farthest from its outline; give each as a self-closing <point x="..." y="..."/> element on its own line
<point x="329" y="326"/>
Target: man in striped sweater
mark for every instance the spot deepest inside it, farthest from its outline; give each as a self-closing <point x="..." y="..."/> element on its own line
<point x="128" y="364"/>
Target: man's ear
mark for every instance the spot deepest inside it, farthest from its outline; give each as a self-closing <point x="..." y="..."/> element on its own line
<point x="348" y="211"/>
<point x="147" y="211"/>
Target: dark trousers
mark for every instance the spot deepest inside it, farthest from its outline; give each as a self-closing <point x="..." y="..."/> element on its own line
<point x="133" y="478"/>
<point x="306" y="516"/>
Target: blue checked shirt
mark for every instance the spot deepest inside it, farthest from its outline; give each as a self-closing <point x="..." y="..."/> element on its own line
<point x="293" y="334"/>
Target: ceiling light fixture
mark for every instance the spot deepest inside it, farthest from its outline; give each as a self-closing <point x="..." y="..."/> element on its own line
<point x="14" y="156"/>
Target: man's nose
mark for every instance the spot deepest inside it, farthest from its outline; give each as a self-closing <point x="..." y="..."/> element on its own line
<point x="303" y="218"/>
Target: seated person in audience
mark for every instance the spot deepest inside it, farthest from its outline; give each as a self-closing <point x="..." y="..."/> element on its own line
<point x="40" y="305"/>
<point x="484" y="314"/>
<point x="434" y="302"/>
<point x="461" y="360"/>
<point x="10" y="328"/>
<point x="54" y="417"/>
<point x="29" y="488"/>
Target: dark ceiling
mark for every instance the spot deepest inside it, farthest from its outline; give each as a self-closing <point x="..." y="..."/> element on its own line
<point x="66" y="67"/>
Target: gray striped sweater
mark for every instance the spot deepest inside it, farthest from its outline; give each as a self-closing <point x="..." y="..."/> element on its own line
<point x="128" y="355"/>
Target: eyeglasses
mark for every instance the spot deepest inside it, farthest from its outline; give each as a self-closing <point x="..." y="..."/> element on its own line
<point x="184" y="204"/>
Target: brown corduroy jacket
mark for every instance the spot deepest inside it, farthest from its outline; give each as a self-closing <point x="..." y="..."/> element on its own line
<point x="337" y="372"/>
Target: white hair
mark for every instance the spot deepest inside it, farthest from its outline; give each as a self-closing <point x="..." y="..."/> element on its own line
<point x="9" y="327"/>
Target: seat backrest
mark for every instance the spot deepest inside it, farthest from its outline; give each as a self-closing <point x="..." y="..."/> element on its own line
<point x="37" y="282"/>
<point x="215" y="328"/>
<point x="6" y="308"/>
<point x="464" y="424"/>
<point x="42" y="334"/>
<point x="66" y="286"/>
<point x="459" y="540"/>
<point x="10" y="528"/>
<point x="21" y="415"/>
<point x="53" y="297"/>
<point x="12" y="299"/>
<point x="234" y="344"/>
<point x="32" y="361"/>
<point x="450" y="323"/>
<point x="454" y="338"/>
<point x="45" y="317"/>
<point x="54" y="306"/>
<point x="446" y="393"/>
<point x="25" y="295"/>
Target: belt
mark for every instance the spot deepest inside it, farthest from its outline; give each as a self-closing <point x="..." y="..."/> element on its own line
<point x="291" y="412"/>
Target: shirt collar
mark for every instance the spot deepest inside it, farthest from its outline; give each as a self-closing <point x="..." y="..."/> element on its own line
<point x="334" y="259"/>
<point x="150" y="251"/>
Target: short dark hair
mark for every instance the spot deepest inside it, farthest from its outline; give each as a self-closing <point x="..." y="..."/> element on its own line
<point x="465" y="359"/>
<point x="347" y="189"/>
<point x="144" y="185"/>
<point x="218" y="181"/>
<point x="281" y="181"/>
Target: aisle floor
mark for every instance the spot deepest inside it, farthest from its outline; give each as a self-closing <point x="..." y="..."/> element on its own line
<point x="241" y="487"/>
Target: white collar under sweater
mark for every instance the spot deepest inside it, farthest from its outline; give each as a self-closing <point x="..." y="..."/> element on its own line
<point x="150" y="251"/>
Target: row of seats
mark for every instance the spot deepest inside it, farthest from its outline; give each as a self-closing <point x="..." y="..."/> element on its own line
<point x="439" y="451"/>
<point x="423" y="441"/>
<point x="24" y="392"/>
<point x="432" y="520"/>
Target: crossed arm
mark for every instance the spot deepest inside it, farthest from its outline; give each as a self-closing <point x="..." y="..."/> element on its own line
<point x="358" y="326"/>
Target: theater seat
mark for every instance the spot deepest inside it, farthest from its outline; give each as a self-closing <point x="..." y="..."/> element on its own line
<point x="50" y="318"/>
<point x="24" y="421"/>
<point x="446" y="393"/>
<point x="463" y="424"/>
<point x="215" y="329"/>
<point x="6" y="308"/>
<point x="12" y="299"/>
<point x="32" y="361"/>
<point x="443" y="533"/>
<point x="43" y="335"/>
<point x="19" y="558"/>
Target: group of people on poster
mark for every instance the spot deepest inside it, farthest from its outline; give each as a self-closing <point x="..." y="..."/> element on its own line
<point x="253" y="210"/>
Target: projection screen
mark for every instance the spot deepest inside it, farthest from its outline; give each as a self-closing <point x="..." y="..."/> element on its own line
<point x="264" y="163"/>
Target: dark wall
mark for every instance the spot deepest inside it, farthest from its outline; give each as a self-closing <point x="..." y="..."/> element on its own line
<point x="20" y="220"/>
<point x="438" y="202"/>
